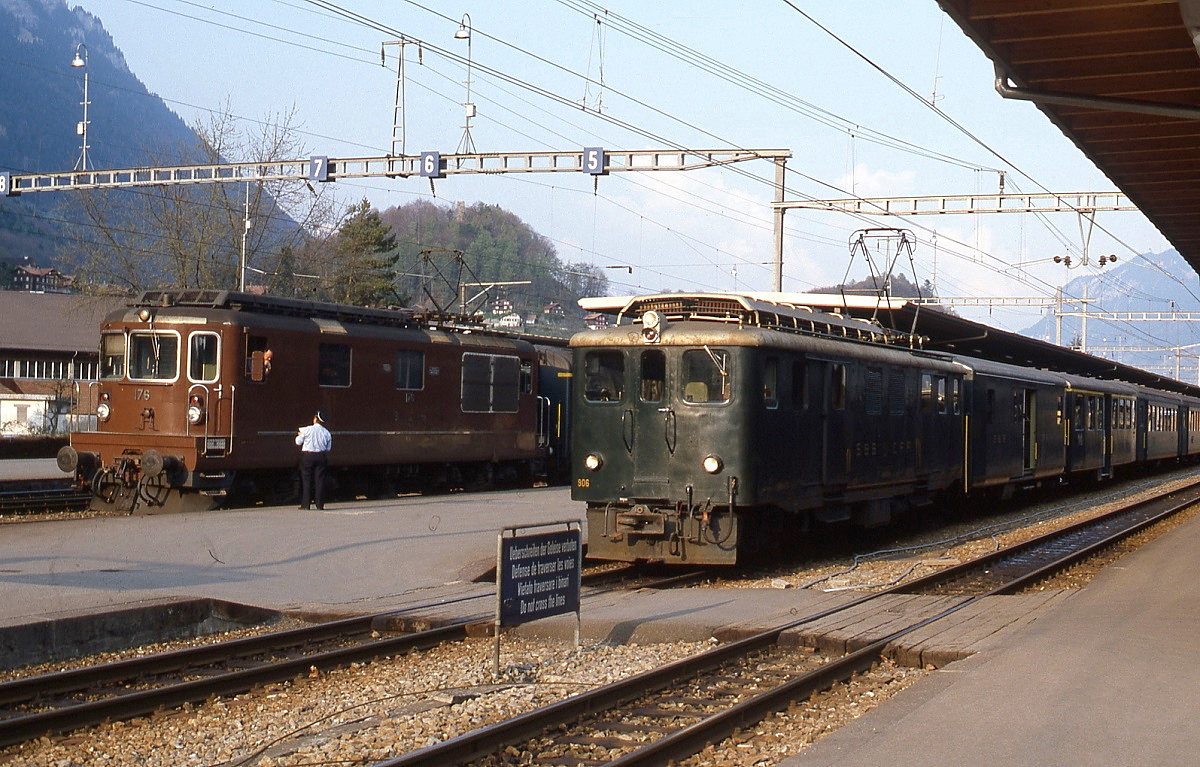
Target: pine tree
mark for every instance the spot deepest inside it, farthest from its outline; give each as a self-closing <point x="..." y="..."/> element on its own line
<point x="366" y="251"/>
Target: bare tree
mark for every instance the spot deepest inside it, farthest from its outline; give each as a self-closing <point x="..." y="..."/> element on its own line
<point x="195" y="235"/>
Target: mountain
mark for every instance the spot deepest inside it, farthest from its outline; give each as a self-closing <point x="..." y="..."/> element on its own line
<point x="1154" y="284"/>
<point x="43" y="95"/>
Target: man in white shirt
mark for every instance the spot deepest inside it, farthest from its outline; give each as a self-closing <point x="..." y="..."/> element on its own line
<point x="315" y="442"/>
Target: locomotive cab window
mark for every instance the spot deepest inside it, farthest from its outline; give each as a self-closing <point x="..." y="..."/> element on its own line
<point x="705" y="376"/>
<point x="112" y="356"/>
<point x="258" y="358"/>
<point x="153" y="356"/>
<point x="203" y="353"/>
<point x="604" y="376"/>
<point x="654" y="375"/>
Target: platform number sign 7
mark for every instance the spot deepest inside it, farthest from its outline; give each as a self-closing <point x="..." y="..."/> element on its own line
<point x="431" y="165"/>
<point x="318" y="168"/>
<point x="593" y="161"/>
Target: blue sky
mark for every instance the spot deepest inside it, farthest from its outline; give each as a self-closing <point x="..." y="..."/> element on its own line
<point x="835" y="104"/>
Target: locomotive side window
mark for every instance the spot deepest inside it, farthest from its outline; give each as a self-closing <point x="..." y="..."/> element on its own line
<point x="112" y="356"/>
<point x="837" y="387"/>
<point x="605" y="376"/>
<point x="926" y="393"/>
<point x="705" y="376"/>
<point x="654" y="376"/>
<point x="202" y="357"/>
<point x="333" y="365"/>
<point x="153" y="356"/>
<point x="799" y="385"/>
<point x="771" y="383"/>
<point x="410" y="370"/>
<point x="941" y="395"/>
<point x="490" y="383"/>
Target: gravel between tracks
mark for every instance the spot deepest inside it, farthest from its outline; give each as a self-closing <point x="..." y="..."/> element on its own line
<point x="392" y="706"/>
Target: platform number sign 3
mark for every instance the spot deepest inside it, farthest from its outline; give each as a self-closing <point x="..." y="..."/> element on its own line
<point x="593" y="161"/>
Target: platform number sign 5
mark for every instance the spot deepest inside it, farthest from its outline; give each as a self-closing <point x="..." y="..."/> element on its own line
<point x="6" y="184"/>
<point x="431" y="165"/>
<point x="593" y="161"/>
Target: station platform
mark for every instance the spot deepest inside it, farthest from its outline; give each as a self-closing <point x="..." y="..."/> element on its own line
<point x="25" y="469"/>
<point x="1108" y="677"/>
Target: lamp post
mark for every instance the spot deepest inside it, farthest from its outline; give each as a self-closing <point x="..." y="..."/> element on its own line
<point x="464" y="33"/>
<point x="80" y="62"/>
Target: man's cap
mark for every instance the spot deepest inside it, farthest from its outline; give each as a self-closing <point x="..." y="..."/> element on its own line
<point x="320" y="414"/>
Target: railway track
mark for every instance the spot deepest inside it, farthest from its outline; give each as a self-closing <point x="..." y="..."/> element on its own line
<point x="671" y="713"/>
<point x="17" y="501"/>
<point x="75" y="698"/>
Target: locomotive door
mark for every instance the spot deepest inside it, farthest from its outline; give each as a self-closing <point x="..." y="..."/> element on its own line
<point x="652" y="428"/>
<point x="1028" y="436"/>
<point x="830" y="381"/>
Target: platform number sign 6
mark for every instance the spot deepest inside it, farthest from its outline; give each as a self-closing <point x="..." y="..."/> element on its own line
<point x="6" y="184"/>
<point x="431" y="165"/>
<point x="593" y="161"/>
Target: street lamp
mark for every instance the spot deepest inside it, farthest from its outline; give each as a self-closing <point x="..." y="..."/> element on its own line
<point x="80" y="62"/>
<point x="464" y="33"/>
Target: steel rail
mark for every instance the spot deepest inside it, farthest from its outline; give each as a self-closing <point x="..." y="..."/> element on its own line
<point x="127" y="704"/>
<point x="139" y="702"/>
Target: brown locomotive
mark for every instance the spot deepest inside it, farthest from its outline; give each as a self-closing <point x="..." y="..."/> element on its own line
<point x="200" y="394"/>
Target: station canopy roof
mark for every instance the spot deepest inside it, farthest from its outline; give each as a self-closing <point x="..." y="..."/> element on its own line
<point x="1121" y="78"/>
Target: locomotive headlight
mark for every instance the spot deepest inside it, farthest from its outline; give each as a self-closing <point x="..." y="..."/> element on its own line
<point x="713" y="464"/>
<point x="195" y="411"/>
<point x="593" y="461"/>
<point x="103" y="410"/>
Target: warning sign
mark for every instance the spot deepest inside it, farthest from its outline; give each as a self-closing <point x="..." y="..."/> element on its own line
<point x="538" y="576"/>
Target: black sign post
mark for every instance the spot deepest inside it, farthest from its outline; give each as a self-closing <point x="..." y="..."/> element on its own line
<point x="537" y="575"/>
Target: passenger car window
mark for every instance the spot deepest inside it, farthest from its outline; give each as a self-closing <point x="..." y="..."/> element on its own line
<point x="705" y="376"/>
<point x="604" y="376"/>
<point x="153" y="356"/>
